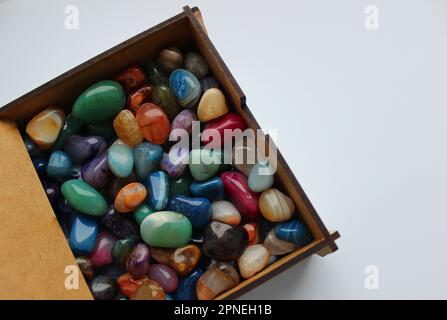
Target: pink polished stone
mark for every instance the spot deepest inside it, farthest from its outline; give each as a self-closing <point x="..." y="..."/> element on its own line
<point x="102" y="254"/>
<point x="165" y="276"/>
<point x="231" y="121"/>
<point x="245" y="200"/>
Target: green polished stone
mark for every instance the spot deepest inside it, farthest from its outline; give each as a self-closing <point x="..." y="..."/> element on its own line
<point x="72" y="125"/>
<point x="166" y="229"/>
<point x="84" y="197"/>
<point x="180" y="186"/>
<point x="204" y="163"/>
<point x="121" y="251"/>
<point x="142" y="212"/>
<point x="163" y="97"/>
<point x="99" y="102"/>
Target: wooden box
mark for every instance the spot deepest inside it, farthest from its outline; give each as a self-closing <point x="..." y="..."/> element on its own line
<point x="33" y="249"/>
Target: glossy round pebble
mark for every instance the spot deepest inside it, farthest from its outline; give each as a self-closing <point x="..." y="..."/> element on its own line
<point x="84" y="198"/>
<point x="127" y="129"/>
<point x="103" y="287"/>
<point x="154" y="123"/>
<point x="212" y="105"/>
<point x="120" y="159"/>
<point x="254" y="259"/>
<point x="196" y="64"/>
<point x="186" y="87"/>
<point x="276" y="206"/>
<point x="59" y="165"/>
<point x="164" y="276"/>
<point x="170" y="59"/>
<point x="138" y="261"/>
<point x="261" y="177"/>
<point x="225" y="211"/>
<point x="44" y="127"/>
<point x="102" y="254"/>
<point x="130" y="197"/>
<point x="204" y="164"/>
<point x="147" y="157"/>
<point x="221" y="277"/>
<point x="293" y="231"/>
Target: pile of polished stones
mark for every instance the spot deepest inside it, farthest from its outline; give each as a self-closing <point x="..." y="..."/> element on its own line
<point x="146" y="218"/>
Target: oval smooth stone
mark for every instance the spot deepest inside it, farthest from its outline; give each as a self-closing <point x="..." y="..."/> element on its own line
<point x="138" y="97"/>
<point x="196" y="64"/>
<point x="71" y="126"/>
<point x="164" y="276"/>
<point x="164" y="98"/>
<point x="154" y="123"/>
<point x="131" y="78"/>
<point x="186" y="289"/>
<point x="128" y="283"/>
<point x="121" y="251"/>
<point x="170" y="58"/>
<point x="127" y="129"/>
<point x="184" y="120"/>
<point x="261" y="177"/>
<point x="102" y="254"/>
<point x="204" y="164"/>
<point x="212" y="105"/>
<point x="254" y="259"/>
<point x="245" y="200"/>
<point x="155" y="74"/>
<point x="166" y="229"/>
<point x="186" y="87"/>
<point x="138" y="261"/>
<point x="225" y="211"/>
<point x="221" y="277"/>
<point x="99" y="102"/>
<point x="120" y="159"/>
<point x="180" y="186"/>
<point x="293" y="231"/>
<point x="183" y="260"/>
<point x="86" y="267"/>
<point x="157" y="184"/>
<point x="197" y="210"/>
<point x="148" y="290"/>
<point x="175" y="162"/>
<point x="230" y="121"/>
<point x="224" y="242"/>
<point x="142" y="212"/>
<point x="44" y="127"/>
<point x="119" y="224"/>
<point x="212" y="189"/>
<point x="130" y="197"/>
<point x="84" y="198"/>
<point x="103" y="287"/>
<point x="59" y="165"/>
<point x="81" y="149"/>
<point x="277" y="246"/>
<point x="147" y="157"/>
<point x="276" y="206"/>
<point x="208" y="83"/>
<point x="83" y="235"/>
<point x="96" y="172"/>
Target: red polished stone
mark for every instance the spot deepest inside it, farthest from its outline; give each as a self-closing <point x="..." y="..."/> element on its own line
<point x="131" y="78"/>
<point x="245" y="200"/>
<point x="154" y="123"/>
<point x="128" y="284"/>
<point x="138" y="97"/>
<point x="230" y="121"/>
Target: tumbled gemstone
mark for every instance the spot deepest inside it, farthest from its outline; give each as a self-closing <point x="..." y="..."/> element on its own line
<point x="186" y="87"/>
<point x="212" y="189"/>
<point x="196" y="64"/>
<point x="96" y="172"/>
<point x="44" y="127"/>
<point x="183" y="260"/>
<point x="221" y="277"/>
<point x="147" y="157"/>
<point x="138" y="261"/>
<point x="128" y="284"/>
<point x="276" y="206"/>
<point x="59" y="165"/>
<point x="253" y="259"/>
<point x="120" y="225"/>
<point x="148" y="290"/>
<point x="164" y="98"/>
<point x="277" y="246"/>
<point x="84" y="198"/>
<point x="83" y="234"/>
<point x="197" y="210"/>
<point x="293" y="231"/>
<point x="103" y="287"/>
<point x="102" y="254"/>
<point x="120" y="159"/>
<point x="121" y="251"/>
<point x="157" y="184"/>
<point x="224" y="242"/>
<point x="186" y="289"/>
<point x="170" y="58"/>
<point x="226" y="212"/>
<point x="142" y="212"/>
<point x="212" y="105"/>
<point x="154" y="123"/>
<point x="204" y="164"/>
<point x="138" y="97"/>
<point x="131" y="78"/>
<point x="81" y="149"/>
<point x="127" y="129"/>
<point x="130" y="197"/>
<point x="164" y="276"/>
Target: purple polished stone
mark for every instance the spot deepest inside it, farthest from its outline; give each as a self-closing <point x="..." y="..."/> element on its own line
<point x="80" y="148"/>
<point x="175" y="162"/>
<point x="102" y="254"/>
<point x="184" y="120"/>
<point x="138" y="261"/>
<point x="165" y="276"/>
<point x="96" y="172"/>
<point x="120" y="224"/>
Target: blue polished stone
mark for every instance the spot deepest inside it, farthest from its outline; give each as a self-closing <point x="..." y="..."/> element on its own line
<point x="147" y="157"/>
<point x="83" y="234"/>
<point x="59" y="165"/>
<point x="120" y="159"/>
<point x="186" y="289"/>
<point x="185" y="86"/>
<point x="40" y="165"/>
<point x="197" y="210"/>
<point x="294" y="232"/>
<point x="157" y="185"/>
<point x="212" y="189"/>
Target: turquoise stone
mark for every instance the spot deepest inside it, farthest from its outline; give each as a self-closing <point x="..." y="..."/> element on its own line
<point x="121" y="160"/>
<point x="185" y="87"/>
<point x="212" y="189"/>
<point x="84" y="198"/>
<point x="157" y="185"/>
<point x="147" y="156"/>
<point x="180" y="186"/>
<point x="294" y="232"/>
<point x="261" y="177"/>
<point x="166" y="229"/>
<point x="72" y="125"/>
<point x="197" y="210"/>
<point x="59" y="165"/>
<point x="83" y="235"/>
<point x="204" y="164"/>
<point x="101" y="101"/>
<point x="121" y="251"/>
<point x="142" y="212"/>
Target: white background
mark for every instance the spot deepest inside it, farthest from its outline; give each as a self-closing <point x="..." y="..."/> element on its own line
<point x="361" y="113"/>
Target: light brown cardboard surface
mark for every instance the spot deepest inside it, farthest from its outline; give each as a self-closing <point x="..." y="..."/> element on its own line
<point x="33" y="250"/>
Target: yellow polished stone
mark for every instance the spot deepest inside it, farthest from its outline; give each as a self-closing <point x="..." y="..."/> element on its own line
<point x="275" y="205"/>
<point x="212" y="105"/>
<point x="127" y="129"/>
<point x="44" y="127"/>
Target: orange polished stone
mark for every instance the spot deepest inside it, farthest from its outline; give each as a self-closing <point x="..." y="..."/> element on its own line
<point x="130" y="197"/>
<point x="128" y="284"/>
<point x="148" y="290"/>
<point x="138" y="97"/>
<point x="131" y="78"/>
<point x="184" y="260"/>
<point x="127" y="129"/>
<point x="44" y="127"/>
<point x="252" y="232"/>
<point x="154" y="123"/>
